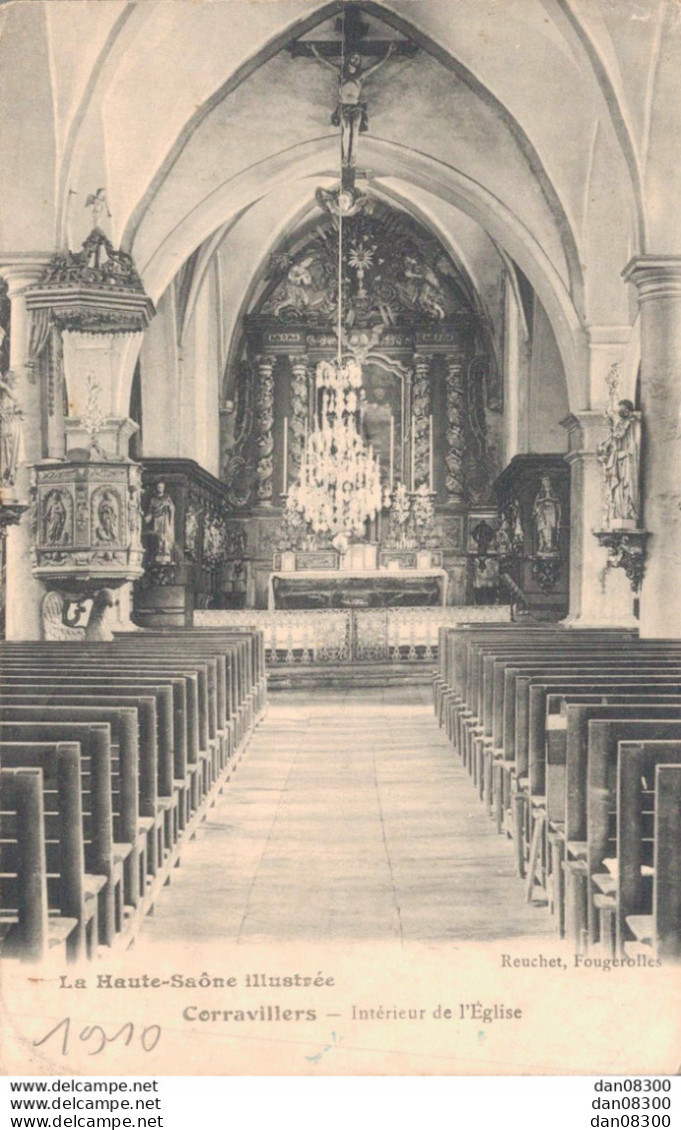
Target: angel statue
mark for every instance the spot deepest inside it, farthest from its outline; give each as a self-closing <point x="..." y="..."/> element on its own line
<point x="351" y="111"/>
<point x="98" y="202"/>
<point x="342" y="203"/>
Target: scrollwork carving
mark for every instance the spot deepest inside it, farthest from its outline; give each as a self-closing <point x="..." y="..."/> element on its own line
<point x="421" y="410"/>
<point x="455" y="431"/>
<point x="264" y="422"/>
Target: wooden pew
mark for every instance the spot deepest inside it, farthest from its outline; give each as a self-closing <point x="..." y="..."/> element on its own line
<point x="70" y="892"/>
<point x="167" y="799"/>
<point x="543" y="811"/>
<point x="214" y="688"/>
<point x="130" y="833"/>
<point x="97" y="802"/>
<point x="635" y="835"/>
<point x="610" y="724"/>
<point x="151" y="814"/>
<point x="661" y="931"/>
<point x="27" y="931"/>
<point x="605" y="739"/>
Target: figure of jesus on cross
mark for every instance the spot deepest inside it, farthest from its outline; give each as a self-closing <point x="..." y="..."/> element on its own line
<point x="351" y="111"/>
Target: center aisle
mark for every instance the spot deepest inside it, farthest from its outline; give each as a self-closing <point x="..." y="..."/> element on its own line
<point x="348" y="817"/>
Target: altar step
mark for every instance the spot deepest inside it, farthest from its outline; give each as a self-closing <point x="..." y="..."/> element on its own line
<point x="308" y="675"/>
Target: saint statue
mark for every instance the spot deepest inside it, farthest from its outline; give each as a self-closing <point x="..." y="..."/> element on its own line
<point x="161" y="519"/>
<point x="546" y="513"/>
<point x="107" y="513"/>
<point x="55" y="517"/>
<point x="351" y="111"/>
<point x="618" y="454"/>
<point x="10" y="430"/>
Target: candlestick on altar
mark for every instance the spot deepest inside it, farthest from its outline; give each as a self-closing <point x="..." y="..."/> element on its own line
<point x="285" y="454"/>
<point x="430" y="455"/>
<point x="413" y="455"/>
<point x="392" y="450"/>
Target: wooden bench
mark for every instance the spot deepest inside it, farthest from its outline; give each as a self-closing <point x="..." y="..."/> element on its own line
<point x="175" y="707"/>
<point x="130" y="831"/>
<point x="70" y="893"/>
<point x="634" y="862"/>
<point x="97" y="788"/>
<point x="502" y="695"/>
<point x="28" y="933"/>
<point x="660" y="932"/>
<point x="603" y="726"/>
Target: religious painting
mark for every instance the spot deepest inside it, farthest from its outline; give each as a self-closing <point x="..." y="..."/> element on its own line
<point x="382" y="420"/>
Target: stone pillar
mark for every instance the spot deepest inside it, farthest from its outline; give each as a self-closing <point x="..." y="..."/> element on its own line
<point x="658" y="280"/>
<point x="421" y="408"/>
<point x="456" y="413"/>
<point x="24" y="592"/>
<point x="599" y="597"/>
<point x="299" y="415"/>
<point x="264" y="423"/>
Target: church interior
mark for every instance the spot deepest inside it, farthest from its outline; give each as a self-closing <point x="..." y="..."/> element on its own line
<point x="340" y="440"/>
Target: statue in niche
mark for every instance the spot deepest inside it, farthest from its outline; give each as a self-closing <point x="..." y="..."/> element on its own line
<point x="546" y="513"/>
<point x="55" y="517"/>
<point x="10" y="430"/>
<point x="161" y="520"/>
<point x="106" y="529"/>
<point x="618" y="455"/>
<point x="351" y="112"/>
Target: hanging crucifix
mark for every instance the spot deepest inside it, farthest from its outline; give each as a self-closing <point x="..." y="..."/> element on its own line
<point x="351" y="112"/>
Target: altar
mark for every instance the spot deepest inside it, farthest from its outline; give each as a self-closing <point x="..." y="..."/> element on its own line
<point x="359" y="588"/>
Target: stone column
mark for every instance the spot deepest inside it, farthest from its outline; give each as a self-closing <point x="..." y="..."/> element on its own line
<point x="658" y="280"/>
<point x="421" y="408"/>
<point x="456" y="414"/>
<point x="599" y="597"/>
<point x="299" y="414"/>
<point x="264" y="422"/>
<point x="24" y="592"/>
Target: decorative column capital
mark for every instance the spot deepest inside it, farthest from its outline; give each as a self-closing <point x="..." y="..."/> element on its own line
<point x="654" y="276"/>
<point x="299" y="362"/>
<point x="23" y="270"/>
<point x="585" y="431"/>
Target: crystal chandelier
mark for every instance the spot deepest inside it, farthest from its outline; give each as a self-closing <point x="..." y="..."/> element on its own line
<point x="340" y="479"/>
<point x="339" y="489"/>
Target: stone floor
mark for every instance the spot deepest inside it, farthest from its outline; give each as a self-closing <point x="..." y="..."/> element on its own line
<point x="348" y="817"/>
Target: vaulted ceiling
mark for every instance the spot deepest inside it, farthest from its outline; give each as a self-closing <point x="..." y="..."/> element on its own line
<point x="540" y="130"/>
